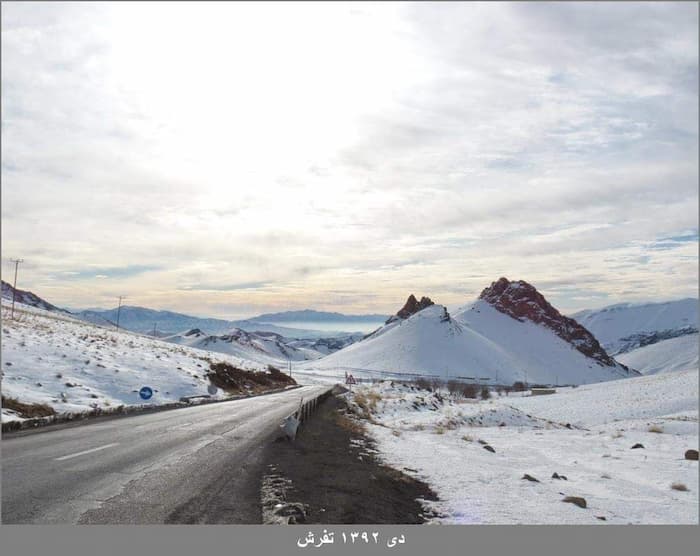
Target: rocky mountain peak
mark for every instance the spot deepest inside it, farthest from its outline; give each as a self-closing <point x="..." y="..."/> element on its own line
<point x="411" y="307"/>
<point x="522" y="301"/>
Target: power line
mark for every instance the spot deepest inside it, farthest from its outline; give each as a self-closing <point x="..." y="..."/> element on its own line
<point x="119" y="309"/>
<point x="14" y="287"/>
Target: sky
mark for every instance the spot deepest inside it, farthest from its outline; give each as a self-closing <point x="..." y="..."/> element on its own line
<point x="228" y="159"/>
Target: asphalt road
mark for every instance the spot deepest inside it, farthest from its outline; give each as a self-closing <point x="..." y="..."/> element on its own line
<point x="192" y="465"/>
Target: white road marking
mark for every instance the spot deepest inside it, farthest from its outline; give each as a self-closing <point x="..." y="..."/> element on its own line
<point x="181" y="426"/>
<point x="69" y="456"/>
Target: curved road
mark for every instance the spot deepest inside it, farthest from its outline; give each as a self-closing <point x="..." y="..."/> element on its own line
<point x="198" y="464"/>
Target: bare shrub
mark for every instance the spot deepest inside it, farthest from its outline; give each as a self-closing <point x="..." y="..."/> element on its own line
<point x="470" y="391"/>
<point x="232" y="379"/>
<point x="519" y="386"/>
<point x="454" y="387"/>
<point x="485" y="394"/>
<point x="351" y="425"/>
<point x="423" y="384"/>
<point x="27" y="410"/>
<point x="367" y="402"/>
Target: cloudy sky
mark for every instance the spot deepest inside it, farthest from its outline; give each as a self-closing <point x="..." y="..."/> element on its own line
<point x="228" y="159"/>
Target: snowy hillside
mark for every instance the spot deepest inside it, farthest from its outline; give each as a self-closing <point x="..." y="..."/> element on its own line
<point x="263" y="347"/>
<point x="676" y="354"/>
<point x="578" y="442"/>
<point x="53" y="359"/>
<point x="479" y="343"/>
<point x="27" y="298"/>
<point x="626" y="326"/>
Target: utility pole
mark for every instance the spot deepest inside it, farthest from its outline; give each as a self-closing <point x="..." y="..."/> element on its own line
<point x="119" y="309"/>
<point x="154" y="329"/>
<point x="289" y="365"/>
<point x="14" y="287"/>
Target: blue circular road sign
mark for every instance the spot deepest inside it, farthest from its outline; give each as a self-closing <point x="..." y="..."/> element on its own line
<point x="145" y="393"/>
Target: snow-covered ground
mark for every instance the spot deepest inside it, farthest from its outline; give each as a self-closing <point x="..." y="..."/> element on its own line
<point x="676" y="354"/>
<point x="439" y="442"/>
<point x="72" y="366"/>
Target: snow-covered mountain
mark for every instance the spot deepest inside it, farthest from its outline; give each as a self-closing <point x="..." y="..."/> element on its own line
<point x="676" y="354"/>
<point x="262" y="347"/>
<point x="325" y="346"/>
<point x="627" y="326"/>
<point x="28" y="298"/>
<point x="510" y="333"/>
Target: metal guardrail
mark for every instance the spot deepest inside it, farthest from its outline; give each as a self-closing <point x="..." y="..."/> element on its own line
<point x="306" y="408"/>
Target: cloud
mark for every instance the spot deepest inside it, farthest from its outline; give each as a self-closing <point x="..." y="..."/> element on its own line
<point x="455" y="143"/>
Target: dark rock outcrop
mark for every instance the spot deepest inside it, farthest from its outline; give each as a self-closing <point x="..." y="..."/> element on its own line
<point x="411" y="307"/>
<point x="580" y="502"/>
<point x="522" y="301"/>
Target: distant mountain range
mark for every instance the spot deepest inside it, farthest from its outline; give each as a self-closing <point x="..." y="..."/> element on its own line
<point x="167" y="323"/>
<point x="143" y="320"/>
<point x="309" y="315"/>
<point x="140" y="319"/>
<point x="510" y="333"/>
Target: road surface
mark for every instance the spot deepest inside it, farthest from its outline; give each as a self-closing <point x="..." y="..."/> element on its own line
<point x="193" y="465"/>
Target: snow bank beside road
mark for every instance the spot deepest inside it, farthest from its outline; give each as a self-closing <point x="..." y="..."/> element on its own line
<point x="440" y="443"/>
<point x="73" y="366"/>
